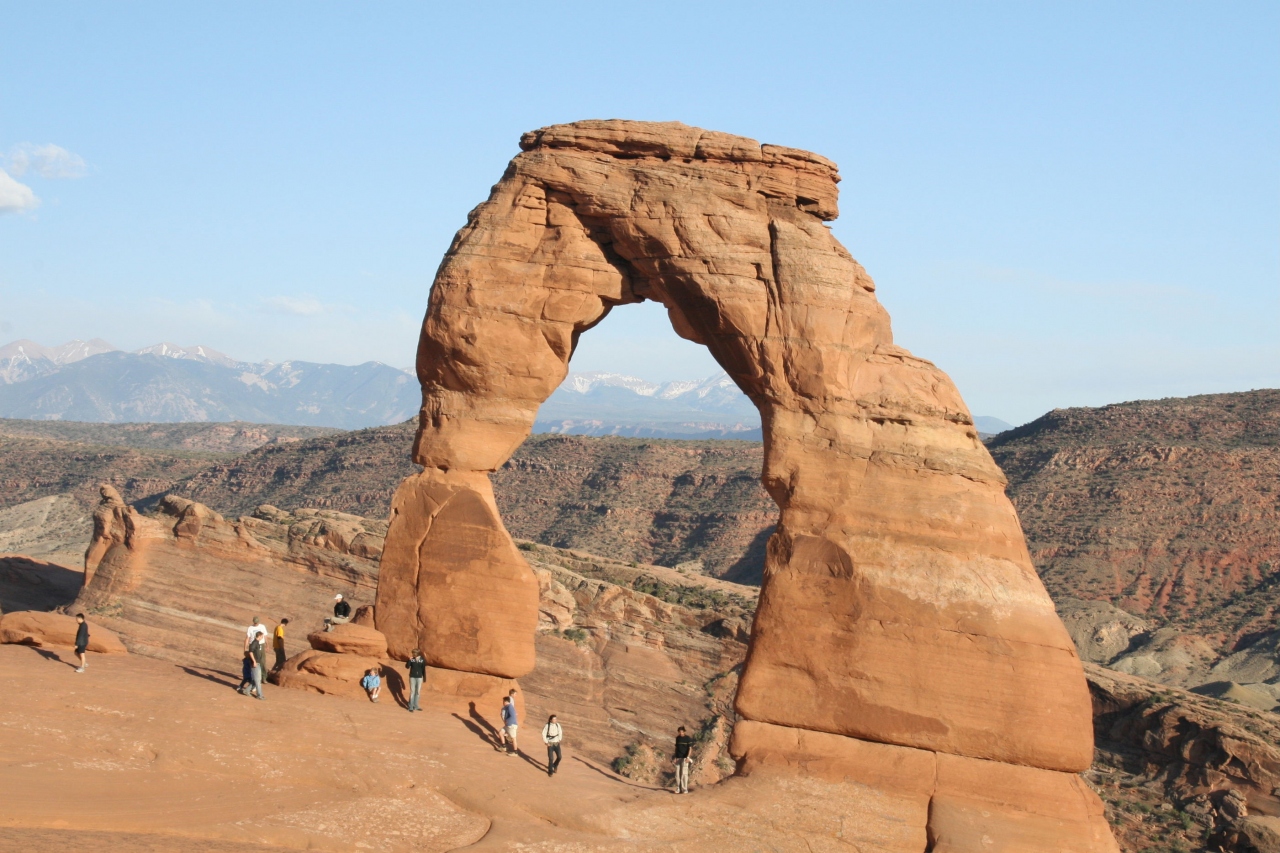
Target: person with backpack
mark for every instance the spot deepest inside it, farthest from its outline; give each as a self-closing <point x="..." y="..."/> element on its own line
<point x="417" y="667"/>
<point x="682" y="757"/>
<point x="552" y="735"/>
<point x="82" y="642"/>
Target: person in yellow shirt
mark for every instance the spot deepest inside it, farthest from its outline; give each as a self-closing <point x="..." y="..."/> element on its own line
<point x="277" y="643"/>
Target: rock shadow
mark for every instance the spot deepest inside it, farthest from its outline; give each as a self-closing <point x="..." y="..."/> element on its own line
<point x="749" y="569"/>
<point x="27" y="583"/>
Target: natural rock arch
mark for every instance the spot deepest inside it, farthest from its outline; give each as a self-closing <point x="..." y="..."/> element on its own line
<point x="899" y="603"/>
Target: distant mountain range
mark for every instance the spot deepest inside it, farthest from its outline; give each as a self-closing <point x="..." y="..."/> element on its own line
<point x="613" y="404"/>
<point x="95" y="382"/>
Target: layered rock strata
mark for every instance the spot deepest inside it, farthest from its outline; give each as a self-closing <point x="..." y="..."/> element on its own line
<point x="183" y="584"/>
<point x="899" y="603"/>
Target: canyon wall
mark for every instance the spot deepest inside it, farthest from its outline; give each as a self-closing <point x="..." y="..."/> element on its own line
<point x="899" y="614"/>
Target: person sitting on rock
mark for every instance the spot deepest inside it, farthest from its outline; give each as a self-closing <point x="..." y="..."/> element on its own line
<point x="417" y="667"/>
<point x="82" y="642"/>
<point x="552" y="734"/>
<point x="341" y="613"/>
<point x="277" y="643"/>
<point x="247" y="666"/>
<point x="510" y="725"/>
<point x="372" y="684"/>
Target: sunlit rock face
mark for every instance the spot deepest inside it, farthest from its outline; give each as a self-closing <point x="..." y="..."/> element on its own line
<point x="899" y="603"/>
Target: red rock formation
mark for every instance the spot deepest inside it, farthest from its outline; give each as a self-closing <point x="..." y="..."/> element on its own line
<point x="183" y="584"/>
<point x="899" y="602"/>
<point x="31" y="628"/>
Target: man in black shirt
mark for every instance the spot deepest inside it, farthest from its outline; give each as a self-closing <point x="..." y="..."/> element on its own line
<point x="82" y="641"/>
<point x="341" y="613"/>
<point x="682" y="757"/>
<point x="417" y="667"/>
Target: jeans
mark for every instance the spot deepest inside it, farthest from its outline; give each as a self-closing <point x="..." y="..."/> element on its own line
<point x="257" y="681"/>
<point x="415" y="689"/>
<point x="553" y="757"/>
<point x="682" y="774"/>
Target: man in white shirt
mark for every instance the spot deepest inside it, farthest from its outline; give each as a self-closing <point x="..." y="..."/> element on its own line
<point x="253" y="630"/>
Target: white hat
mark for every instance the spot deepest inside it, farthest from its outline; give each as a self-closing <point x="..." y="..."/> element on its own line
<point x="338" y="597"/>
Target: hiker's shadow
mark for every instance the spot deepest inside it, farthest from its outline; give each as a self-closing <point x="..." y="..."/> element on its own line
<point x="216" y="676"/>
<point x="394" y="684"/>
<point x="52" y="655"/>
<point x="481" y="727"/>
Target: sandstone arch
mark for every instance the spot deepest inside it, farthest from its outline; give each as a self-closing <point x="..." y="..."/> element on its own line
<point x="899" y="604"/>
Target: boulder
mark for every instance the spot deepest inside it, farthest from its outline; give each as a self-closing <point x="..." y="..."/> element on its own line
<point x="350" y="639"/>
<point x="32" y="628"/>
<point x="326" y="672"/>
<point x="336" y="674"/>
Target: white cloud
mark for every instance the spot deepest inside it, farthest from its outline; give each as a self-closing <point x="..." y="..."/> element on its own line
<point x="302" y="306"/>
<point x="47" y="161"/>
<point x="15" y="197"/>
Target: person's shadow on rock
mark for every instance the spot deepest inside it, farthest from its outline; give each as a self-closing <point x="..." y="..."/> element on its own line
<point x="480" y="727"/>
<point x="395" y="685"/>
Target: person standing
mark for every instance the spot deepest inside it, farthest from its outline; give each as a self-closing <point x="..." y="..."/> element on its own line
<point x="552" y="734"/>
<point x="256" y="629"/>
<point x="277" y="643"/>
<point x="683" y="757"/>
<point x="82" y="642"/>
<point x="258" y="649"/>
<point x="510" y="725"/>
<point x="417" y="667"/>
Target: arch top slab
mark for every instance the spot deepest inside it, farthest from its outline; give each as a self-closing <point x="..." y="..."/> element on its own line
<point x="899" y="603"/>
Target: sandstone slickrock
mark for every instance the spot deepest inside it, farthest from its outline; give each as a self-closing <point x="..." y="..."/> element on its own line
<point x="30" y="628"/>
<point x="899" y="602"/>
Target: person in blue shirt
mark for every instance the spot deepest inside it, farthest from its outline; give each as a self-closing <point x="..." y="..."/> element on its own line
<point x="372" y="684"/>
<point x="510" y="723"/>
<point x="247" y="667"/>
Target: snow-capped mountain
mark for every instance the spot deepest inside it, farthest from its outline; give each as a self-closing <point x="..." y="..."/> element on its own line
<point x="615" y="404"/>
<point x="94" y="381"/>
<point x="23" y="360"/>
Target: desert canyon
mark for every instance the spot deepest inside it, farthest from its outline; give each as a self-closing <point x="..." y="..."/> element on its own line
<point x="899" y="682"/>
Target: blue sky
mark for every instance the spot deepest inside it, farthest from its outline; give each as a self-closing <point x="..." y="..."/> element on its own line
<point x="1062" y="203"/>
